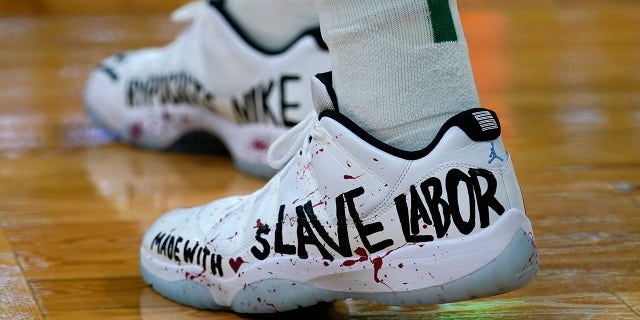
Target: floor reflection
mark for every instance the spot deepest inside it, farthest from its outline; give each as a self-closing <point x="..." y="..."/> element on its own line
<point x="140" y="182"/>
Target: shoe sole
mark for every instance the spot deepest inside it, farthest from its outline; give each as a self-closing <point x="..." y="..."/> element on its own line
<point x="247" y="144"/>
<point x="499" y="259"/>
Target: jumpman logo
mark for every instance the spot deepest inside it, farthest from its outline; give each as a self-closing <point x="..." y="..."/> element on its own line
<point x="493" y="155"/>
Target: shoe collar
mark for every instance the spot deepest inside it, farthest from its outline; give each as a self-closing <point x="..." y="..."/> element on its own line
<point x="218" y="5"/>
<point x="479" y="124"/>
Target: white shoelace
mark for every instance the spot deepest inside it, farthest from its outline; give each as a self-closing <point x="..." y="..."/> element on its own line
<point x="296" y="138"/>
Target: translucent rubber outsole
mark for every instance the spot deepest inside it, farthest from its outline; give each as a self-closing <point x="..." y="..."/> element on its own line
<point x="513" y="268"/>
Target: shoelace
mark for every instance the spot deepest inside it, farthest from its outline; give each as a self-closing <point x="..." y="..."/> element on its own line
<point x="296" y="138"/>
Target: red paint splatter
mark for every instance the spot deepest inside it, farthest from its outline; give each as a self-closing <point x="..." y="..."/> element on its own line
<point x="307" y="196"/>
<point x="401" y="266"/>
<point x="377" y="261"/>
<point x="214" y="239"/>
<point x="303" y="171"/>
<point x="233" y="236"/>
<point x="259" y="300"/>
<point x="136" y="131"/>
<point x="363" y="257"/>
<point x="349" y="177"/>
<point x="361" y="252"/>
<point x="377" y="264"/>
<point x="533" y="257"/>
<point x="236" y="263"/>
<point x="319" y="204"/>
<point x="259" y="224"/>
<point x="375" y="159"/>
<point x="326" y="264"/>
<point x="260" y="145"/>
<point x="192" y="276"/>
<point x="270" y="305"/>
<point x="349" y="263"/>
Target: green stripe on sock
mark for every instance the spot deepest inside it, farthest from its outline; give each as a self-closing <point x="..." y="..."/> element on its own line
<point x="441" y="21"/>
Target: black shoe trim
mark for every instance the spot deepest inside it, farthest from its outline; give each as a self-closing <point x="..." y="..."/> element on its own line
<point x="313" y="32"/>
<point x="108" y="71"/>
<point x="479" y="124"/>
<point x="326" y="78"/>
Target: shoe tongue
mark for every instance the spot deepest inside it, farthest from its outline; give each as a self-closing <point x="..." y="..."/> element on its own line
<point x="322" y="93"/>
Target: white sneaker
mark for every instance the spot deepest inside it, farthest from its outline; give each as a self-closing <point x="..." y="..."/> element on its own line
<point x="211" y="81"/>
<point x="351" y="217"/>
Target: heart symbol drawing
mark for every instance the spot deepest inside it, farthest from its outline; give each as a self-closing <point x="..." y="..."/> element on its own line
<point x="236" y="263"/>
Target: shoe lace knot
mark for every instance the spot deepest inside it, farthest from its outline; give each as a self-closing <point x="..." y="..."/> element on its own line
<point x="296" y="138"/>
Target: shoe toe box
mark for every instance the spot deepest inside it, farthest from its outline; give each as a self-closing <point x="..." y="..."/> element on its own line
<point x="172" y="229"/>
<point x="195" y="225"/>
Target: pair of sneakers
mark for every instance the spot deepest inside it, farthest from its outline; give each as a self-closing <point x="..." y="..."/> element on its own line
<point x="345" y="216"/>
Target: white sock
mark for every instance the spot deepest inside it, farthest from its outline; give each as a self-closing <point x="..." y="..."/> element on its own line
<point x="273" y="24"/>
<point x="400" y="68"/>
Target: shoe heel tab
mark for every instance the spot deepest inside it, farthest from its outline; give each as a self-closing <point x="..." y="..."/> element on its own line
<point x="324" y="97"/>
<point x="218" y="4"/>
<point x="479" y="124"/>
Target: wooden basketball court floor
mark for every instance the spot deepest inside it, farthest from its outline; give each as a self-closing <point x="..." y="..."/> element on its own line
<point x="563" y="75"/>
